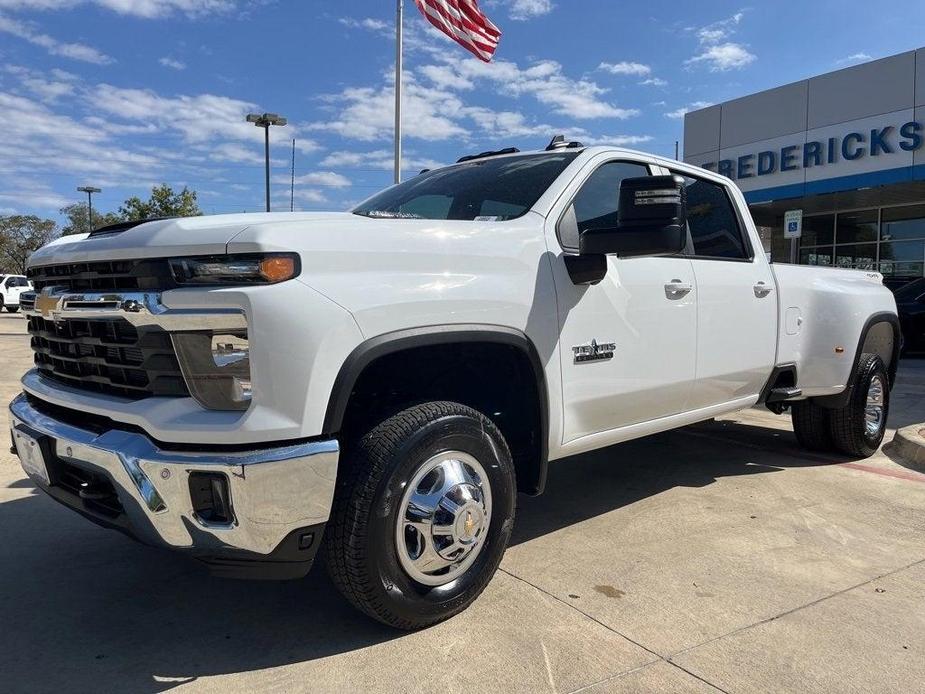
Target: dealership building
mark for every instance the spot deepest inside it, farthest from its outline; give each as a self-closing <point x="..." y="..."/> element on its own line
<point x="846" y="148"/>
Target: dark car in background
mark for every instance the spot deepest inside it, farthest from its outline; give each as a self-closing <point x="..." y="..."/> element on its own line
<point x="910" y="302"/>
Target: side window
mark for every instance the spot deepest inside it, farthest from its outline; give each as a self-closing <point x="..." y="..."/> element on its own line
<point x="595" y="206"/>
<point x="712" y="223"/>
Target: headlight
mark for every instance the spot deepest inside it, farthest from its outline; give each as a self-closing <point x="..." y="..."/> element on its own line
<point x="216" y="368"/>
<point x="235" y="269"/>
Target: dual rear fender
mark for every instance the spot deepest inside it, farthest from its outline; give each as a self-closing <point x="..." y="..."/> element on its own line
<point x="881" y="336"/>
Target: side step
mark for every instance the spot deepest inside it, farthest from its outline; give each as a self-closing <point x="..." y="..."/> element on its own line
<point x="781" y="394"/>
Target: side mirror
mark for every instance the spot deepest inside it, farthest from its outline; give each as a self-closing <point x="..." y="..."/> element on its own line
<point x="652" y="220"/>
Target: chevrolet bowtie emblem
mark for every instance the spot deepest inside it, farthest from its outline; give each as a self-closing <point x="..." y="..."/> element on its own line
<point x="470" y="524"/>
<point x="46" y="305"/>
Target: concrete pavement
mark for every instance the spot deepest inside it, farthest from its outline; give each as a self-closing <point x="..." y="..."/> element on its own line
<point x="718" y="557"/>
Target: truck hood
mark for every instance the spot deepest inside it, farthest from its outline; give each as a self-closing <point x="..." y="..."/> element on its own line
<point x="205" y="235"/>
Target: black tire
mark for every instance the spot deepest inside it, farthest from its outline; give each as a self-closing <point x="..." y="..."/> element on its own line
<point x="812" y="426"/>
<point x="849" y="425"/>
<point x="12" y="309"/>
<point x="361" y="549"/>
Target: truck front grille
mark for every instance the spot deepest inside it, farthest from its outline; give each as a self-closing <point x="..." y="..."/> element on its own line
<point x="114" y="275"/>
<point x="108" y="356"/>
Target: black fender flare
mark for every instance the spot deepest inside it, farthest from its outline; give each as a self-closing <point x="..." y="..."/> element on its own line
<point x="389" y="343"/>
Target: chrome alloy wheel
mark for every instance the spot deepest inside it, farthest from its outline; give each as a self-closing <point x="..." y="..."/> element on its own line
<point x="873" y="409"/>
<point x="443" y="518"/>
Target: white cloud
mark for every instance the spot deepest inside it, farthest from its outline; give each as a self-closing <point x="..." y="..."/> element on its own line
<point x="377" y="25"/>
<point x="367" y="113"/>
<point x="172" y="63"/>
<point x="723" y="57"/>
<point x="102" y="138"/>
<point x="236" y="152"/>
<point x="31" y="193"/>
<point x="855" y="58"/>
<point x="626" y="68"/>
<point x="197" y="118"/>
<point x="680" y="112"/>
<point x="654" y="82"/>
<point x="617" y="140"/>
<point x="717" y="52"/>
<point x="325" y="179"/>
<point x="547" y="83"/>
<point x="446" y="77"/>
<point x="48" y="89"/>
<point x="36" y="139"/>
<point x="309" y="195"/>
<point x="721" y="30"/>
<point x="74" y="51"/>
<point x="434" y="108"/>
<point x="522" y="10"/>
<point x="148" y="9"/>
<point x="504" y="124"/>
<point x="378" y="160"/>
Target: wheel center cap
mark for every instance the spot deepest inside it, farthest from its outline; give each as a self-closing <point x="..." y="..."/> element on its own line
<point x="469" y="522"/>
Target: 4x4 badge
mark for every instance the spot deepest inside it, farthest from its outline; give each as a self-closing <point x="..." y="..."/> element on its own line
<point x="596" y="351"/>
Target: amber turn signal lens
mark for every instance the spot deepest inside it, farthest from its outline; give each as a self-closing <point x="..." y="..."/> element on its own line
<point x="277" y="268"/>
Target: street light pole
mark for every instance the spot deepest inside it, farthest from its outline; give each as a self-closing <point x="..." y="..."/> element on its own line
<point x="266" y="150"/>
<point x="265" y="121"/>
<point x="89" y="190"/>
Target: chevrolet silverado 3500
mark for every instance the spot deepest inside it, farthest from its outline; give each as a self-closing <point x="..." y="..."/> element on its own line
<point x="378" y="385"/>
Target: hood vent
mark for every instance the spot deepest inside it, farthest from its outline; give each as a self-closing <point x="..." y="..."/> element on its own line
<point x="113" y="229"/>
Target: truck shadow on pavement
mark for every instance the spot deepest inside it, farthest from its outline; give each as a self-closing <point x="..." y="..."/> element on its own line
<point x="601" y="481"/>
<point x="85" y="609"/>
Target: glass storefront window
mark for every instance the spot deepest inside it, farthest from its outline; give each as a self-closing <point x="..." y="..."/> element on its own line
<point x="856" y="227"/>
<point x="904" y="222"/>
<point x="903" y="259"/>
<point x="818" y="230"/>
<point x="816" y="256"/>
<point x="859" y="256"/>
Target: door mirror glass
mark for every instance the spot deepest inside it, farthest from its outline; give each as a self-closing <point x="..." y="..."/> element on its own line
<point x="652" y="220"/>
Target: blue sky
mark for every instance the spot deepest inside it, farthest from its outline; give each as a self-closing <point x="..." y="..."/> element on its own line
<point x="125" y="94"/>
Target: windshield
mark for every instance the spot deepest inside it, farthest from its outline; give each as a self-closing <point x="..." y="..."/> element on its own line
<point x="490" y="189"/>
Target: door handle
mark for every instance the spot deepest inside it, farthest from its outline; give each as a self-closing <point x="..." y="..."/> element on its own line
<point x="762" y="290"/>
<point x="676" y="289"/>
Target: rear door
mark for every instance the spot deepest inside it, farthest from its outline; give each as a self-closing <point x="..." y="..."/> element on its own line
<point x="737" y="307"/>
<point x="626" y="343"/>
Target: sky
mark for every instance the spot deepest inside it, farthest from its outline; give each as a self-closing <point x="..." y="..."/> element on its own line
<point x="127" y="94"/>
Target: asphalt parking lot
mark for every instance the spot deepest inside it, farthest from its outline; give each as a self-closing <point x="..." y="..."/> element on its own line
<point x="718" y="557"/>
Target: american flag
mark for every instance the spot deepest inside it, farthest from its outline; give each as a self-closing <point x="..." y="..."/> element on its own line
<point x="464" y="22"/>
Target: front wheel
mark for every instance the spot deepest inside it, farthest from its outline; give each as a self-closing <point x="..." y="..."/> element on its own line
<point x="12" y="309"/>
<point x="422" y="514"/>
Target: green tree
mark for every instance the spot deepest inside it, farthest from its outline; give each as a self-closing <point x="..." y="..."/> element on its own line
<point x="162" y="203"/>
<point x="20" y="237"/>
<point x="77" y="222"/>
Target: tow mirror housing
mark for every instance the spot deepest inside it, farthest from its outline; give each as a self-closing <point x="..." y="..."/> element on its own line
<point x="651" y="220"/>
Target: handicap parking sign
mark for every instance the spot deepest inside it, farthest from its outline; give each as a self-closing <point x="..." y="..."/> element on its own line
<point x="793" y="224"/>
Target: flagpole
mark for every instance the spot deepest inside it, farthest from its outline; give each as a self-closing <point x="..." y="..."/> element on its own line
<point x="398" y="80"/>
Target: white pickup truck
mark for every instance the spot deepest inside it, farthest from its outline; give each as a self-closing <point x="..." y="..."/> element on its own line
<point x="380" y="384"/>
<point x="11" y="286"/>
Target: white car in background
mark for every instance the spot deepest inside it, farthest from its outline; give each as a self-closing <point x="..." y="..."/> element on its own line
<point x="11" y="286"/>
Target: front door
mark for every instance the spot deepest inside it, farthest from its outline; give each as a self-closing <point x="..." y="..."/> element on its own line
<point x="626" y="343"/>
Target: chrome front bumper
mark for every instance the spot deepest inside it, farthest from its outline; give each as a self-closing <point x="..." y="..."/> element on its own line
<point x="274" y="492"/>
